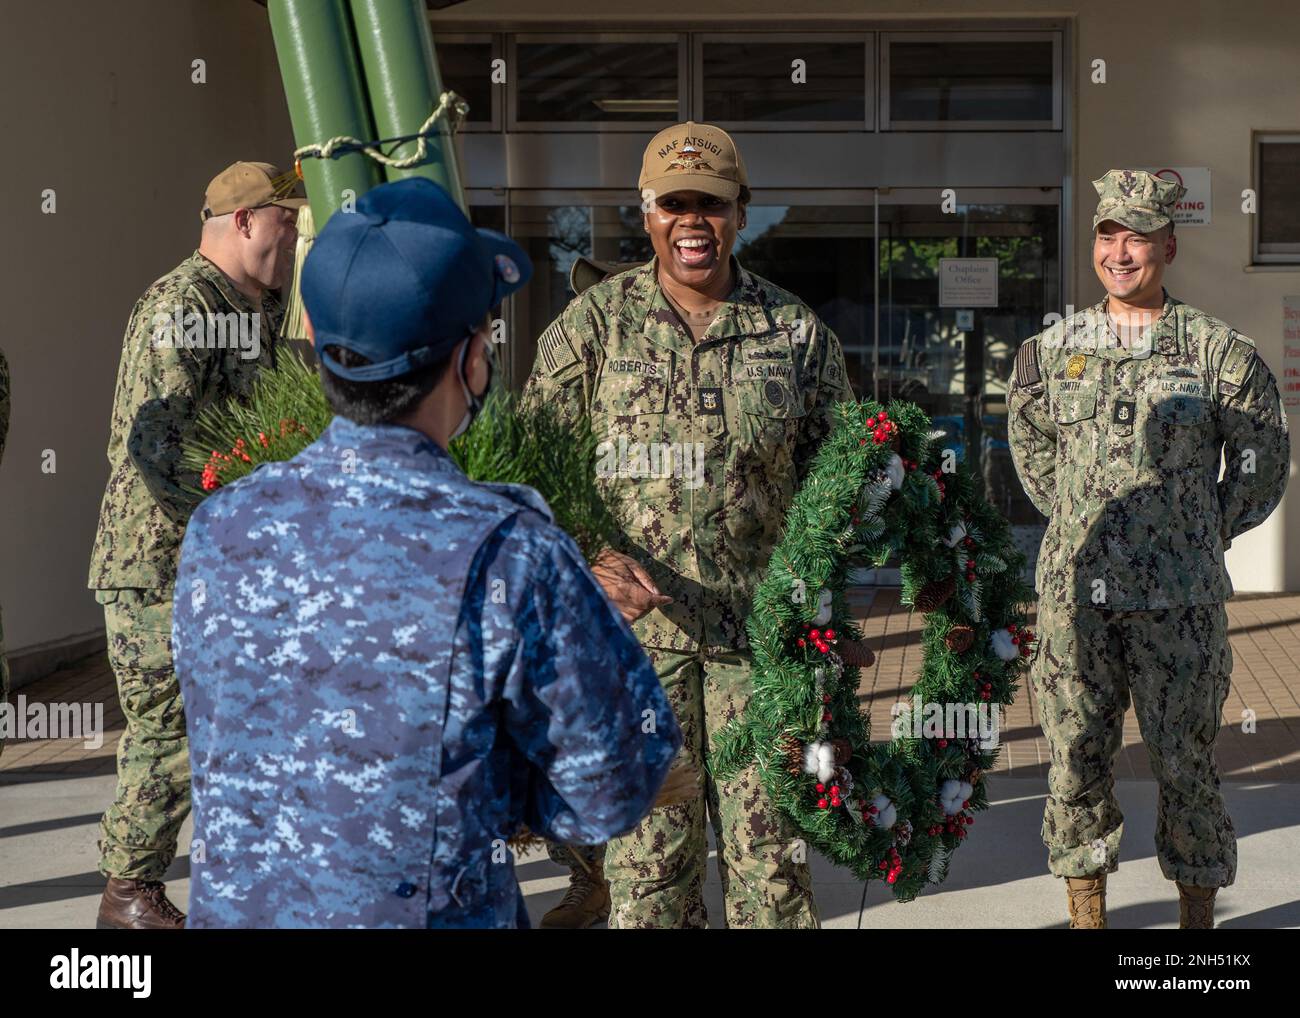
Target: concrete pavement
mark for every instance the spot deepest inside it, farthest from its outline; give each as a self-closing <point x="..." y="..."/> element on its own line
<point x="52" y="793"/>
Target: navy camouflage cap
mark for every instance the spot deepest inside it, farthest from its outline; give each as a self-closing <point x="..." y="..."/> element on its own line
<point x="1137" y="199"/>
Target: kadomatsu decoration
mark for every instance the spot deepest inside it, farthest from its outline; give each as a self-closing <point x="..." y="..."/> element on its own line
<point x="510" y="443"/>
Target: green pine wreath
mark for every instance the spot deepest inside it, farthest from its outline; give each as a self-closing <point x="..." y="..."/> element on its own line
<point x="879" y="488"/>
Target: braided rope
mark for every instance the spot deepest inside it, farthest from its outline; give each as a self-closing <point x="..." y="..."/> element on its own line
<point x="450" y="105"/>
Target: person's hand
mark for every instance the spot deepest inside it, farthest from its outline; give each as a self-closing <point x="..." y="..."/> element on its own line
<point x="627" y="585"/>
<point x="682" y="784"/>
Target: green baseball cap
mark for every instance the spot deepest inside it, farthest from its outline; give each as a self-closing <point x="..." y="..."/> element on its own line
<point x="1137" y="199"/>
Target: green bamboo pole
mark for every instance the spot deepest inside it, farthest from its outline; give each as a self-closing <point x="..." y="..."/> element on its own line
<point x="403" y="83"/>
<point x="326" y="96"/>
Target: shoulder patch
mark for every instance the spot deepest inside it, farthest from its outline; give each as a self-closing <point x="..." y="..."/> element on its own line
<point x="1238" y="365"/>
<point x="1027" y="364"/>
<point x="555" y="349"/>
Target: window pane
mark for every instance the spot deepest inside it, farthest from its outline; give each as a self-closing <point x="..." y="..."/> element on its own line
<point x="609" y="81"/>
<point x="1279" y="195"/>
<point x="751" y="81"/>
<point x="466" y="69"/>
<point x="970" y="81"/>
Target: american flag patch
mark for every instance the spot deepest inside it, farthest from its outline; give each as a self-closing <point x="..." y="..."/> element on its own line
<point x="554" y="347"/>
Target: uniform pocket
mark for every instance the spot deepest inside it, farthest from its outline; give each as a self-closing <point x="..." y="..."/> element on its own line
<point x="1075" y="405"/>
<point x="632" y="405"/>
<point x="1177" y="431"/>
<point x="771" y="413"/>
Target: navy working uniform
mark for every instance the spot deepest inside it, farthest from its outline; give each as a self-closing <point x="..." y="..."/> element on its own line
<point x="385" y="672"/>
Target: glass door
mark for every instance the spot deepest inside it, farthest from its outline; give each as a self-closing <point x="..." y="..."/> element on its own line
<point x="950" y="348"/>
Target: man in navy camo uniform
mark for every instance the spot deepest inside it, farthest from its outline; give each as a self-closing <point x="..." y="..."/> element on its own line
<point x="387" y="667"/>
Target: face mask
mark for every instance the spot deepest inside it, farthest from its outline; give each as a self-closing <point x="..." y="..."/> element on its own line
<point x="473" y="404"/>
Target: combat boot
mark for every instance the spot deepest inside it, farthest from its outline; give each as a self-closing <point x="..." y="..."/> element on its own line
<point x="1087" y="898"/>
<point x="137" y="905"/>
<point x="584" y="904"/>
<point x="1196" y="907"/>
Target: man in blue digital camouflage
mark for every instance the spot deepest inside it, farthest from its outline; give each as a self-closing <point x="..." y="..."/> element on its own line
<point x="388" y="668"/>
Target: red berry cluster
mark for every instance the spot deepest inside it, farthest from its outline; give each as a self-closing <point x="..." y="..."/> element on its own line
<point x="1022" y="639"/>
<point x="893" y="865"/>
<point x="955" y="824"/>
<point x="882" y="428"/>
<point x="218" y="461"/>
<point x="986" y="689"/>
<point x="834" y="800"/>
<point x="819" y="638"/>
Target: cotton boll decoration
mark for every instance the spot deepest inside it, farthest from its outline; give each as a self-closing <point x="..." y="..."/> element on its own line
<point x="823" y="615"/>
<point x="1003" y="646"/>
<point x="894" y="471"/>
<point x="953" y="794"/>
<point x="884" y="812"/>
<point x="819" y="759"/>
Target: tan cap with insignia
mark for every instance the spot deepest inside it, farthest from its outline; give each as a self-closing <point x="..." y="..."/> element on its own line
<point x="1136" y="199"/>
<point x="693" y="157"/>
<point x="250" y="186"/>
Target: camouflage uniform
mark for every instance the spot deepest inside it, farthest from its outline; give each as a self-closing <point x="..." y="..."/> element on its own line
<point x="388" y="668"/>
<point x="755" y="395"/>
<point x="1120" y="448"/>
<point x="162" y="385"/>
<point x="4" y="433"/>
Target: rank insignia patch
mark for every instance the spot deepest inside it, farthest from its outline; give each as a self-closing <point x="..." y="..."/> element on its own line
<point x="1124" y="411"/>
<point x="710" y="401"/>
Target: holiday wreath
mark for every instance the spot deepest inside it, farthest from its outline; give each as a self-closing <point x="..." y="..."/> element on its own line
<point x="878" y="489"/>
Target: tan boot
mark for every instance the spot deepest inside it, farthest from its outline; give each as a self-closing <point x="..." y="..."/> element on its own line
<point x="584" y="904"/>
<point x="1196" y="907"/>
<point x="1087" y="898"/>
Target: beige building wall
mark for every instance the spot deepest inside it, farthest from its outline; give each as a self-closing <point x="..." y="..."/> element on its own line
<point x="99" y="106"/>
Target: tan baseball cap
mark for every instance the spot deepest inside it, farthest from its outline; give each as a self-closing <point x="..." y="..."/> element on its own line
<point x="693" y="157"/>
<point x="249" y="186"/>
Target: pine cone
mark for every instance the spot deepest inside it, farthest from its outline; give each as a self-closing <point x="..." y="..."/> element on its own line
<point x="973" y="778"/>
<point x="933" y="594"/>
<point x="959" y="639"/>
<point x="855" y="654"/>
<point x="843" y="751"/>
<point x="793" y="750"/>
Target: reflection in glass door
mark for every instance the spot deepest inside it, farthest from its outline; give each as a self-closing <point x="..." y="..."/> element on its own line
<point x="954" y="362"/>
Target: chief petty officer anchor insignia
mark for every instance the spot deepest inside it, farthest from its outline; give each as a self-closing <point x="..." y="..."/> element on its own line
<point x="1123" y="415"/>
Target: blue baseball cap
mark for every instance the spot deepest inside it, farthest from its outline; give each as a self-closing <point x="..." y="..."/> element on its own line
<point x="404" y="278"/>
